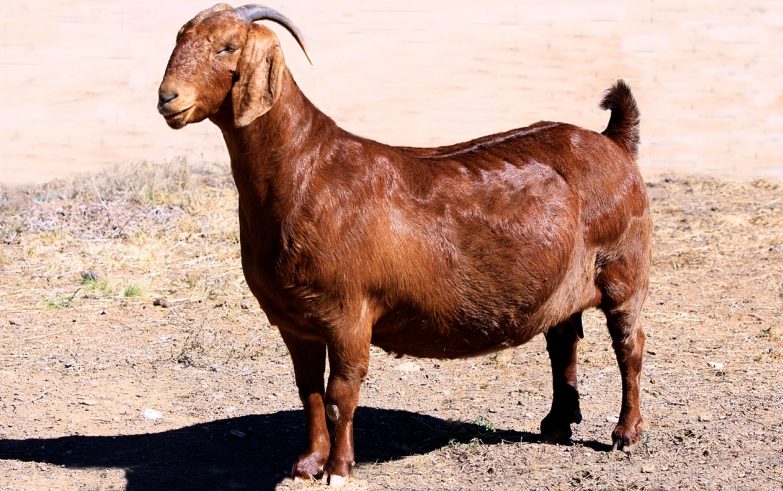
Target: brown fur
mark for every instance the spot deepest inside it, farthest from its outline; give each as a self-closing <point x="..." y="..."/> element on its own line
<point x="435" y="252"/>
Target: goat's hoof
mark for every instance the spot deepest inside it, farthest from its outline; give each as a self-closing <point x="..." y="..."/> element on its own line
<point x="336" y="481"/>
<point x="309" y="467"/>
<point x="626" y="436"/>
<point x="556" y="426"/>
<point x="337" y="472"/>
<point x="557" y="435"/>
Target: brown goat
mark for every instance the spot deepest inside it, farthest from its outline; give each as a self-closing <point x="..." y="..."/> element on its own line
<point x="439" y="252"/>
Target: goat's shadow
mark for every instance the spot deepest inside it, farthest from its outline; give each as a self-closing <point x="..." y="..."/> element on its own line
<point x="245" y="452"/>
<point x="249" y="452"/>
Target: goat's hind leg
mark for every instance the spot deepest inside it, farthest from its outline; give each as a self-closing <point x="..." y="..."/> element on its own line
<point x="561" y="343"/>
<point x="624" y="286"/>
<point x="628" y="343"/>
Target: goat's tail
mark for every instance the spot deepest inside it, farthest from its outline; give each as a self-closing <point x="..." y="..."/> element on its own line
<point x="623" y="125"/>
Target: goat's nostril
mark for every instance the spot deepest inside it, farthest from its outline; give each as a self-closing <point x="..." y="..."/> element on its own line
<point x="166" y="96"/>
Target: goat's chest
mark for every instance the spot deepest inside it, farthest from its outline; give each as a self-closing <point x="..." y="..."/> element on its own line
<point x="280" y="275"/>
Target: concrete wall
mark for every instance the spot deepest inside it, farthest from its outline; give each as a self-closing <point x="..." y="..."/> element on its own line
<point x="78" y="79"/>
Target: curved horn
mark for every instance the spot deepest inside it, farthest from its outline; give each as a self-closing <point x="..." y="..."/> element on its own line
<point x="252" y="13"/>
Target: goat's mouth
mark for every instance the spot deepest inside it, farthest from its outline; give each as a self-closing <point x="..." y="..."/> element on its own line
<point x="176" y="119"/>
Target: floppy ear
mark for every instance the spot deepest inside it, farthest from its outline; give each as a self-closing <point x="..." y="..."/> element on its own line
<point x="260" y="71"/>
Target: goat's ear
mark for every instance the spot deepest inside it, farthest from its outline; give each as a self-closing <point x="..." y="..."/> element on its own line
<point x="260" y="71"/>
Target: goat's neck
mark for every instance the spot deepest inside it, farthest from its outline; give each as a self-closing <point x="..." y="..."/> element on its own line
<point x="270" y="156"/>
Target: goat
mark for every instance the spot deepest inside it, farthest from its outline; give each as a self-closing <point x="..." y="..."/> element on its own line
<point x="431" y="252"/>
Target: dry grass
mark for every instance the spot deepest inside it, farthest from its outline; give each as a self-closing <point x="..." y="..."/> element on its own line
<point x="79" y="355"/>
<point x="144" y="231"/>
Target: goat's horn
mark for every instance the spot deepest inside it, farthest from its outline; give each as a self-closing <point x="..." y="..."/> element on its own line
<point x="252" y="13"/>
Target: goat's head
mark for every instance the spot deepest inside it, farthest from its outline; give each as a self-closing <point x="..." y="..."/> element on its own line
<point x="222" y="53"/>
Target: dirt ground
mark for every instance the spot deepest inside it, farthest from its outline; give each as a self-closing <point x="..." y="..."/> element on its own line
<point x="122" y="293"/>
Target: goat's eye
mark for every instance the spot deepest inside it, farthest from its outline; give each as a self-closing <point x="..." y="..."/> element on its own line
<point x="227" y="50"/>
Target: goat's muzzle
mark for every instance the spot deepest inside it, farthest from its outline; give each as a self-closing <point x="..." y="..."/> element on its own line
<point x="175" y="105"/>
<point x="166" y="95"/>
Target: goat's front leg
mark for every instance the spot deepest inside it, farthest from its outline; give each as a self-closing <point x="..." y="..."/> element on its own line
<point x="349" y="356"/>
<point x="309" y="358"/>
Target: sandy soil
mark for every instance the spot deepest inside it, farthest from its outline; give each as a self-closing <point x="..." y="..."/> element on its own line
<point x="84" y="351"/>
<point x="78" y="79"/>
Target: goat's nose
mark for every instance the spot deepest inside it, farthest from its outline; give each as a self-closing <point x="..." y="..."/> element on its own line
<point x="166" y="96"/>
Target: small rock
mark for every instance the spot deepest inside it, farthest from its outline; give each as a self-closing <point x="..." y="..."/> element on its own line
<point x="230" y="410"/>
<point x="89" y="276"/>
<point x="14" y="322"/>
<point x="716" y="365"/>
<point x="238" y="433"/>
<point x="503" y="358"/>
<point x="705" y="417"/>
<point x="165" y="338"/>
<point x="648" y="468"/>
<point x="613" y="419"/>
<point x="245" y="304"/>
<point x="408" y="367"/>
<point x="88" y="402"/>
<point x="186" y="360"/>
<point x="161" y="302"/>
<point x="151" y="414"/>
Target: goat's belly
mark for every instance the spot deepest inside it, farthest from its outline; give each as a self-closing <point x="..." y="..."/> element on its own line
<point x="430" y="339"/>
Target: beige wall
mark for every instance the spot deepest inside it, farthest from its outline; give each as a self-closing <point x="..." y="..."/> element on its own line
<point x="78" y="79"/>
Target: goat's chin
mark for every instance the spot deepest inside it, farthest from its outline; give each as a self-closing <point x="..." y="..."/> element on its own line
<point x="185" y="117"/>
<point x="176" y="124"/>
<point x="179" y="120"/>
